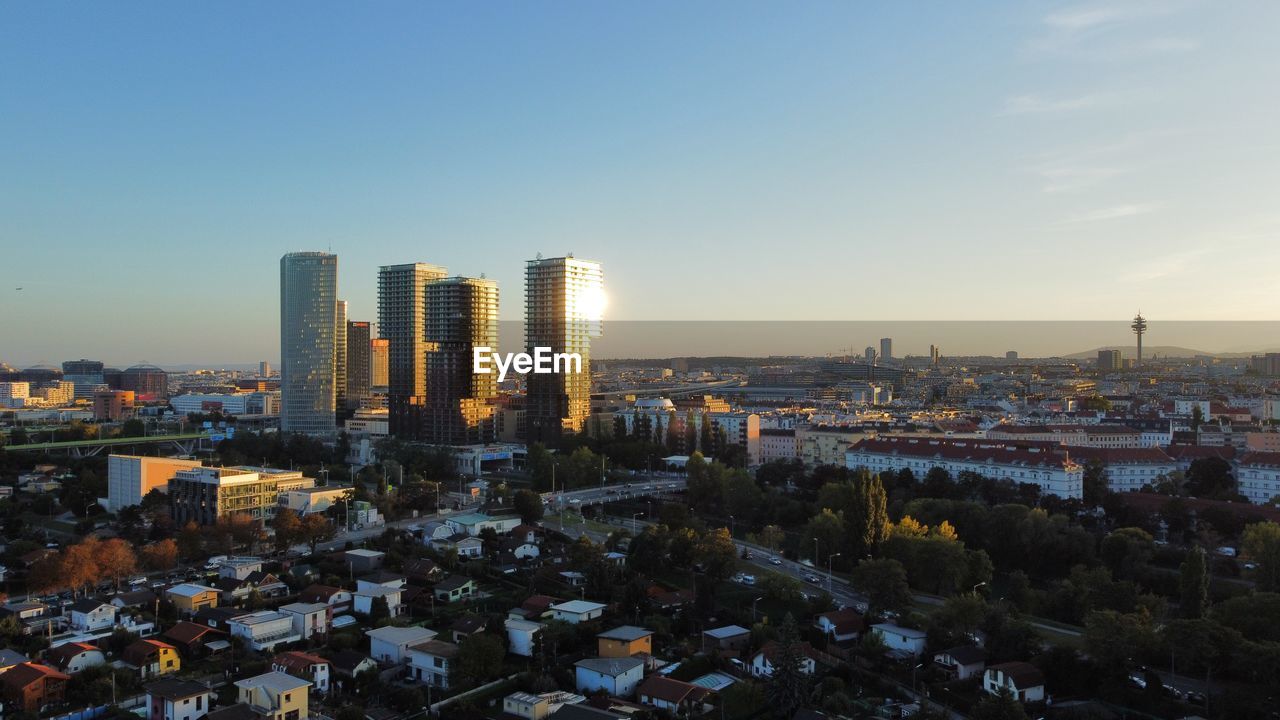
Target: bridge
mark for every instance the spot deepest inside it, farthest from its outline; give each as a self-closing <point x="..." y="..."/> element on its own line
<point x="185" y="444"/>
<point x="644" y="486"/>
<point x="671" y="390"/>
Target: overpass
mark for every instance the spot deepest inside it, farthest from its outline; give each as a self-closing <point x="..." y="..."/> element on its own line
<point x="185" y="444"/>
<point x="653" y="486"/>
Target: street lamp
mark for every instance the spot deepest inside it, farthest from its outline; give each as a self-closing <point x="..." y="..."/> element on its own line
<point x="913" y="680"/>
<point x="753" y="608"/>
<point x="975" y="587"/>
<point x="830" y="557"/>
<point x="732" y="525"/>
<point x="633" y="521"/>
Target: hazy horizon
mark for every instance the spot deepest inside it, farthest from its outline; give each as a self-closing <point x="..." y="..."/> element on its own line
<point x="747" y="338"/>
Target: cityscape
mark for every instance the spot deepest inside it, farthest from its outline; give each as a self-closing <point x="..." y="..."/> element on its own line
<point x="918" y="362"/>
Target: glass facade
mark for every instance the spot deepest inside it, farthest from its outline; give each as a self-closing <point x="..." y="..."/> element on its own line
<point x="401" y="321"/>
<point x="462" y="314"/>
<point x="308" y="342"/>
<point x="564" y="301"/>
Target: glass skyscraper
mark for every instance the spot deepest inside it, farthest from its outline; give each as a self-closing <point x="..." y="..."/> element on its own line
<point x="564" y="309"/>
<point x="308" y="342"/>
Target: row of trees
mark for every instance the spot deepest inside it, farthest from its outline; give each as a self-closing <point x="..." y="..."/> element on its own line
<point x="81" y="567"/>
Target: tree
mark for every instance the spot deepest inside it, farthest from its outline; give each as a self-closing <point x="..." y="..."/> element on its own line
<point x="115" y="559"/>
<point x="288" y="528"/>
<point x="884" y="582"/>
<point x="1114" y="639"/>
<point x="1193" y="579"/>
<point x="480" y="657"/>
<point x="529" y="505"/>
<point x="1210" y="477"/>
<point x="772" y="536"/>
<point x="715" y="552"/>
<point x="868" y="519"/>
<point x="379" y="609"/>
<point x="1001" y="706"/>
<point x="1261" y="544"/>
<point x="316" y="528"/>
<point x="1127" y="552"/>
<point x="161" y="555"/>
<point x="1095" y="483"/>
<point x="190" y="541"/>
<point x="788" y="686"/>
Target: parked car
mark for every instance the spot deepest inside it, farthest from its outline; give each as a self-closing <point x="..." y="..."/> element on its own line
<point x="775" y="561"/>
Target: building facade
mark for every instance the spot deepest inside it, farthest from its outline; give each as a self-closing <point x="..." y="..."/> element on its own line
<point x="402" y="293"/>
<point x="564" y="307"/>
<point x="308" y="342"/>
<point x="462" y="314"/>
<point x="359" y="377"/>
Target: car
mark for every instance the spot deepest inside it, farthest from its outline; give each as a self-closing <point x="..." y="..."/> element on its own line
<point x="1195" y="697"/>
<point x="1172" y="691"/>
<point x="748" y="579"/>
<point x="775" y="561"/>
<point x="1136" y="680"/>
<point x="813" y="579"/>
<point x="140" y="580"/>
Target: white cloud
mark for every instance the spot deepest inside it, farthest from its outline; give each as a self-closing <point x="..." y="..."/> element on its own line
<point x="1071" y="178"/>
<point x="1161" y="267"/>
<point x="1115" y="212"/>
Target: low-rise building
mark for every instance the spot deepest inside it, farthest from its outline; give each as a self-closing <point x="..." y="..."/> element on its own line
<point x="89" y="614"/>
<point x="304" y="665"/>
<point x="172" y="699"/>
<point x="190" y="598"/>
<point x="264" y="630"/>
<point x="1023" y="680"/>
<point x="577" y="611"/>
<point x="1046" y="465"/>
<point x="390" y="644"/>
<point x="74" y="657"/>
<point x="615" y="676"/>
<point x="308" y="618"/>
<point x="431" y="661"/>
<point x="152" y="658"/>
<point x="624" y="641"/>
<point x="762" y="663"/>
<point x="961" y="663"/>
<point x="33" y="686"/>
<point x="897" y="638"/>
<point x="275" y="695"/>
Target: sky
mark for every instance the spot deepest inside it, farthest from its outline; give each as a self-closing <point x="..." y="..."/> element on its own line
<point x="723" y="160"/>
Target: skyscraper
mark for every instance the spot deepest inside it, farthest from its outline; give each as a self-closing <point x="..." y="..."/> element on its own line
<point x="358" y="371"/>
<point x="886" y="349"/>
<point x="401" y="321"/>
<point x="340" y="355"/>
<point x="308" y="324"/>
<point x="564" y="307"/>
<point x="462" y="314"/>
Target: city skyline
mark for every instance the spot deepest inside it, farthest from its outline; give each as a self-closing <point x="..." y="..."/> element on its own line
<point x="1118" y="151"/>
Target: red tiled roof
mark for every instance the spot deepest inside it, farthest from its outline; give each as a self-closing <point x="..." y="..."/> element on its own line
<point x="188" y="632"/>
<point x="23" y="674"/>
<point x="1195" y="452"/>
<point x="669" y="690"/>
<point x="1261" y="459"/>
<point x="967" y="450"/>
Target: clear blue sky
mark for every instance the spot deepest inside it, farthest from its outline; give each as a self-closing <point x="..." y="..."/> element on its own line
<point x="724" y="160"/>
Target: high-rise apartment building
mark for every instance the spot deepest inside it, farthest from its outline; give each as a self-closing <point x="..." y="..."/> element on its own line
<point x="340" y="355"/>
<point x="1109" y="360"/>
<point x="402" y="321"/>
<point x="564" y="308"/>
<point x="462" y="314"/>
<point x="358" y="370"/>
<point x="379" y="362"/>
<point x="204" y="494"/>
<point x="886" y="349"/>
<point x="86" y="374"/>
<point x="264" y="369"/>
<point x="308" y="324"/>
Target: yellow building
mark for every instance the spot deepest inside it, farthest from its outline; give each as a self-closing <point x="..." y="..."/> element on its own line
<point x="625" y="641"/>
<point x="190" y="598"/>
<point x="825" y="445"/>
<point x="275" y="695"/>
<point x="152" y="658"/>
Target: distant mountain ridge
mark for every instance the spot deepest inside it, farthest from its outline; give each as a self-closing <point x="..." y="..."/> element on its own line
<point x="1131" y="351"/>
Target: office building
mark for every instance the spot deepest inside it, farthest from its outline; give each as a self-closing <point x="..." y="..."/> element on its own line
<point x="131" y="477"/>
<point x="148" y="382"/>
<point x="252" y="403"/>
<point x="340" y="355"/>
<point x="358" y="370"/>
<point x="402" y="308"/>
<point x="564" y="309"/>
<point x="113" y="405"/>
<point x="379" y="360"/>
<point x="308" y="323"/>
<point x="886" y="348"/>
<point x="462" y="314"/>
<point x="264" y="369"/>
<point x="14" y="394"/>
<point x="1109" y="361"/>
<point x="1268" y="365"/>
<point x="86" y="374"/>
<point x="204" y="494"/>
